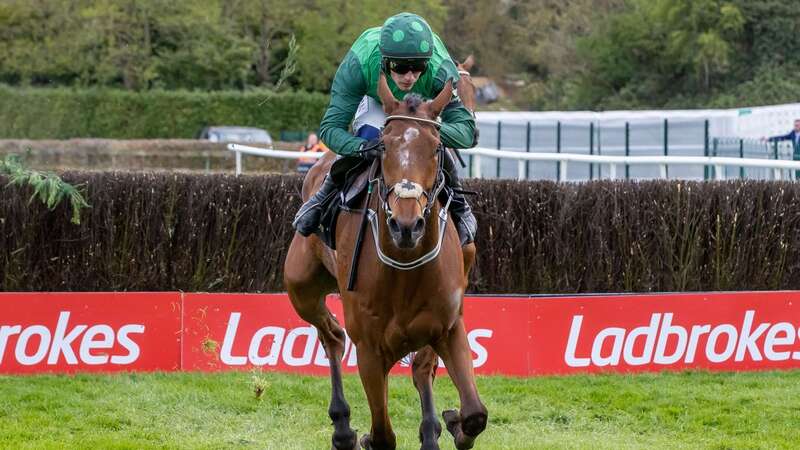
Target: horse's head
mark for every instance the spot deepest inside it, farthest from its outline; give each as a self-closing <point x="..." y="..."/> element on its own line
<point x="410" y="162"/>
<point x="466" y="88"/>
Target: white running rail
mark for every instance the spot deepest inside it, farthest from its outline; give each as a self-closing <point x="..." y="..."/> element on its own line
<point x="717" y="162"/>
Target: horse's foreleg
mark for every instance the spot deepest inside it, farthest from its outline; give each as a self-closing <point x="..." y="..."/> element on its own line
<point x="423" y="372"/>
<point x="344" y="438"/>
<point x="374" y="371"/>
<point x="467" y="423"/>
<point x="468" y="251"/>
<point x="333" y="339"/>
<point x="307" y="282"/>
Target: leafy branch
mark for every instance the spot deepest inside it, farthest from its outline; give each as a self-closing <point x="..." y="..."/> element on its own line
<point x="47" y="186"/>
<point x="289" y="65"/>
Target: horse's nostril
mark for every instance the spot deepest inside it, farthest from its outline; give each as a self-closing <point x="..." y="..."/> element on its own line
<point x="394" y="227"/>
<point x="419" y="226"/>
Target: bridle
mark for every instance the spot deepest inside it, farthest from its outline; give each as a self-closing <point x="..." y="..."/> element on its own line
<point x="411" y="189"/>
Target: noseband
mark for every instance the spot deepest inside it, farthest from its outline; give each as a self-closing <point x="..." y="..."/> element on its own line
<point x="411" y="189"/>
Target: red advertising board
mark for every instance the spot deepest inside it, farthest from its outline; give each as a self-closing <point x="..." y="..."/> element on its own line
<point x="714" y="331"/>
<point x="241" y="331"/>
<point x="521" y="336"/>
<point x="234" y="331"/>
<point x="89" y="332"/>
<point x="498" y="333"/>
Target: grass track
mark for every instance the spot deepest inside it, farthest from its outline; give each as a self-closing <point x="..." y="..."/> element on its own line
<point x="216" y="411"/>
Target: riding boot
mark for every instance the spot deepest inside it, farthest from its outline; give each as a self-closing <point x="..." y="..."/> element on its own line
<point x="465" y="221"/>
<point x="307" y="220"/>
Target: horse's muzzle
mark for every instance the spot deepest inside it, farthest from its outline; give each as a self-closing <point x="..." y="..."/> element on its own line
<point x="406" y="233"/>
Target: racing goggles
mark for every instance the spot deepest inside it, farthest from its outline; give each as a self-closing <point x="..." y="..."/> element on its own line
<point x="403" y="66"/>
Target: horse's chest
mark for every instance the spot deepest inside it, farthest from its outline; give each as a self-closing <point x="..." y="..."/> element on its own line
<point x="415" y="327"/>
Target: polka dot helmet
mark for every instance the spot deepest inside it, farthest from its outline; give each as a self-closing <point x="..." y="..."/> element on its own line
<point x="406" y="36"/>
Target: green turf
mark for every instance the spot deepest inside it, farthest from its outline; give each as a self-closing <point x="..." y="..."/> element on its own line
<point x="220" y="411"/>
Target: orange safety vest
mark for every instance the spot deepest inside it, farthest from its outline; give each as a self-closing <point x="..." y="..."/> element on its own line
<point x="318" y="147"/>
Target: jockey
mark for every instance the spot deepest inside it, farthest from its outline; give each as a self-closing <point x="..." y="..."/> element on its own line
<point x="414" y="60"/>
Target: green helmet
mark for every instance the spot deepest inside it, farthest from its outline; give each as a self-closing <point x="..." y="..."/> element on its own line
<point x="406" y="36"/>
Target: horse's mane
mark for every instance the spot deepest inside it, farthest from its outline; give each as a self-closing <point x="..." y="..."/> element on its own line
<point x="412" y="102"/>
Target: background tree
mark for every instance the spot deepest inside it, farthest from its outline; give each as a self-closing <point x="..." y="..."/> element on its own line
<point x="327" y="28"/>
<point x="549" y="54"/>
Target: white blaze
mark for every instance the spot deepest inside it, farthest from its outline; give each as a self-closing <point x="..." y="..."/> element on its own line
<point x="410" y="134"/>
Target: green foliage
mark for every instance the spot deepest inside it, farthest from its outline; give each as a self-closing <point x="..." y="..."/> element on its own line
<point x="47" y="186"/>
<point x="290" y="64"/>
<point x="138" y="44"/>
<point x="654" y="46"/>
<point x="532" y="41"/>
<point x="682" y="53"/>
<point x="771" y="30"/>
<point x="61" y="113"/>
<point x="327" y="28"/>
<point x="771" y="85"/>
<point x="189" y="44"/>
<point x="568" y="54"/>
<point x="699" y="35"/>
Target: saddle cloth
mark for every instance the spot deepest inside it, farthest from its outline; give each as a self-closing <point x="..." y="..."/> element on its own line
<point x="351" y="175"/>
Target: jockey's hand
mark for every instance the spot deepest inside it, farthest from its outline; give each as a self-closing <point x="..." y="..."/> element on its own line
<point x="475" y="136"/>
<point x="371" y="149"/>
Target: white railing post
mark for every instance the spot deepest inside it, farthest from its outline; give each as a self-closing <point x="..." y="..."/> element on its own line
<point x="663" y="170"/>
<point x="777" y="173"/>
<point x="563" y="174"/>
<point x="476" y="166"/>
<point x="238" y="162"/>
<point x="612" y="171"/>
<point x="719" y="172"/>
<point x="521" y="169"/>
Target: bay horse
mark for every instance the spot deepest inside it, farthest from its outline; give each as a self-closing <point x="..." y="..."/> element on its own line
<point x="399" y="306"/>
<point x="466" y="88"/>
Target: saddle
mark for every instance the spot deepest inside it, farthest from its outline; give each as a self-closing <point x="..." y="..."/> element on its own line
<point x="351" y="176"/>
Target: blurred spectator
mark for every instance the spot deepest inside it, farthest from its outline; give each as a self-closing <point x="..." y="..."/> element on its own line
<point x="313" y="144"/>
<point x="794" y="137"/>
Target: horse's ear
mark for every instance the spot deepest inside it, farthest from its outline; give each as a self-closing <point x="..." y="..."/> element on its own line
<point x="467" y="64"/>
<point x="441" y="100"/>
<point x="390" y="104"/>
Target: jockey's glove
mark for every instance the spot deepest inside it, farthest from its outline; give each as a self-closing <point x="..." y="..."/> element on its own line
<point x="475" y="136"/>
<point x="371" y="149"/>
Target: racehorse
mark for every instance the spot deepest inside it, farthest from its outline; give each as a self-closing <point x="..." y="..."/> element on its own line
<point x="466" y="88"/>
<point x="410" y="283"/>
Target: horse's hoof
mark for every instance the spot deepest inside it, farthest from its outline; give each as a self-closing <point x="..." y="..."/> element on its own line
<point x="426" y="425"/>
<point x="355" y="447"/>
<point x="365" y="445"/>
<point x="474" y="424"/>
<point x="452" y="420"/>
<point x="347" y="442"/>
